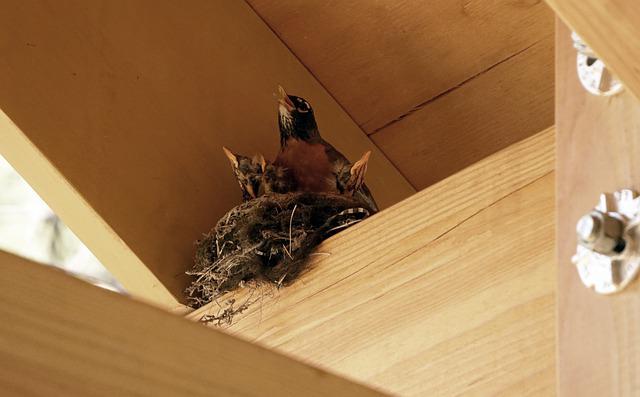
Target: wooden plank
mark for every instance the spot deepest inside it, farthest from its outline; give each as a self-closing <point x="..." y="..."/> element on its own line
<point x="381" y="59"/>
<point x="117" y="111"/>
<point x="62" y="337"/>
<point x="93" y="230"/>
<point x="598" y="146"/>
<point x="495" y="109"/>
<point x="450" y="292"/>
<point x="612" y="30"/>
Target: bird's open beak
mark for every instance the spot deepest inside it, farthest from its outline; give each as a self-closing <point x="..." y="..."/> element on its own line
<point x="284" y="100"/>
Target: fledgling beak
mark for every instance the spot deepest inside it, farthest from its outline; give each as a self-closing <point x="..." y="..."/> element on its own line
<point x="283" y="99"/>
<point x="360" y="166"/>
<point x="232" y="157"/>
<point x="259" y="158"/>
<point x="358" y="170"/>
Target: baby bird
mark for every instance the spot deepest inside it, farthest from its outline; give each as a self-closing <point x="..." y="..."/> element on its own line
<point x="351" y="179"/>
<point x="276" y="179"/>
<point x="248" y="172"/>
<point x="313" y="162"/>
<point x="256" y="177"/>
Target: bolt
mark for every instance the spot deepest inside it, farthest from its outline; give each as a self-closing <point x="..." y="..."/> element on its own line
<point x="601" y="232"/>
<point x="588" y="227"/>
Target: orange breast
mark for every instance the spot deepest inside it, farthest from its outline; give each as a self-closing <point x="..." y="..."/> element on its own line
<point x="309" y="164"/>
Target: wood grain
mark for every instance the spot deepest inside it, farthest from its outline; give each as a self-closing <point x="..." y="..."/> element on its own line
<point x="117" y="111"/>
<point x="450" y="292"/>
<point x="380" y="59"/>
<point x="598" y="146"/>
<point x="612" y="30"/>
<point x="507" y="103"/>
<point x="62" y="337"/>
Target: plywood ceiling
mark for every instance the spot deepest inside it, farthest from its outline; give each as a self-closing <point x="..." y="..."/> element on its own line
<point x="437" y="85"/>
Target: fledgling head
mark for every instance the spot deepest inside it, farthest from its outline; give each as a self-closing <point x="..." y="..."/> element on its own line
<point x="248" y="172"/>
<point x="351" y="179"/>
<point x="295" y="118"/>
<point x="277" y="179"/>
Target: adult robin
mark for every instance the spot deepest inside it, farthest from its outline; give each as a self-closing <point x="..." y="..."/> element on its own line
<point x="314" y="163"/>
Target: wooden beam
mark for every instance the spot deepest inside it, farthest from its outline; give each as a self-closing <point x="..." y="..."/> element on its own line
<point x="598" y="146"/>
<point x="87" y="223"/>
<point x="450" y="292"/>
<point x="116" y="112"/>
<point x="612" y="29"/>
<point x="62" y="337"/>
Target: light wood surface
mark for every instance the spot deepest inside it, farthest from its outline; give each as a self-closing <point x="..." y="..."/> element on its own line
<point x="441" y="84"/>
<point x="612" y="30"/>
<point x="62" y="337"/>
<point x="450" y="292"/>
<point x="381" y="59"/>
<point x="117" y="114"/>
<point x="505" y="104"/>
<point x="598" y="146"/>
<point x="87" y="224"/>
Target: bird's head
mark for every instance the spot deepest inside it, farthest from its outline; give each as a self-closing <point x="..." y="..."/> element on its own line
<point x="296" y="119"/>
<point x="248" y="172"/>
<point x="277" y="179"/>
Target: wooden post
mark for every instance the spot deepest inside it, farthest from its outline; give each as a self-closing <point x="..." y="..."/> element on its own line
<point x="612" y="30"/>
<point x="598" y="151"/>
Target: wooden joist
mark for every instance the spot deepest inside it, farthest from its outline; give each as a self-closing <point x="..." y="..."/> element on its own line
<point x="115" y="111"/>
<point x="62" y="337"/>
<point x="450" y="292"/>
<point x="612" y="29"/>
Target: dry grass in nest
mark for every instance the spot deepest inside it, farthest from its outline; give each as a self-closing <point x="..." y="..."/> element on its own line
<point x="265" y="240"/>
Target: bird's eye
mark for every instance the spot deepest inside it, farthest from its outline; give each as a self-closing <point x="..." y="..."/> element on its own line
<point x="303" y="106"/>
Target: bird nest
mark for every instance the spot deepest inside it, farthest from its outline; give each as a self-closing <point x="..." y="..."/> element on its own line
<point x="267" y="240"/>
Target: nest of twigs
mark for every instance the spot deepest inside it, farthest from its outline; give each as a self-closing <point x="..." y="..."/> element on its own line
<point x="267" y="240"/>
